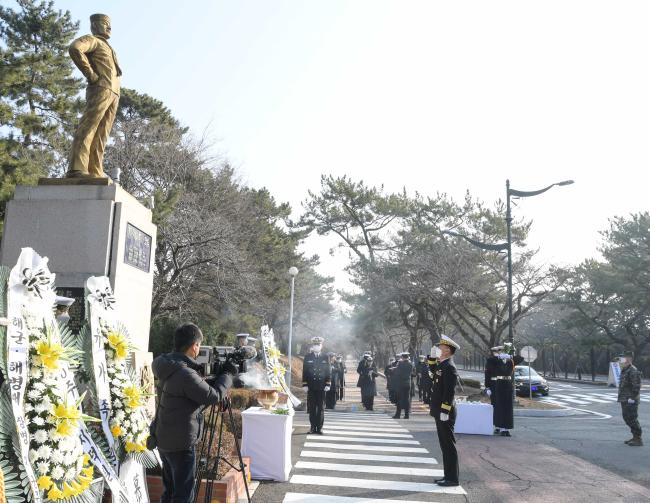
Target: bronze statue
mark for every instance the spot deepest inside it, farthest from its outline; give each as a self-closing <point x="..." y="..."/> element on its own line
<point x="96" y="59"/>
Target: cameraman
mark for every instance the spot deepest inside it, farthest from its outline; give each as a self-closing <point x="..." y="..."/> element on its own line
<point x="182" y="395"/>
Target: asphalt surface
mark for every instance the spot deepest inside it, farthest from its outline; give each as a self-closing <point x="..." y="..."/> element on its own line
<point x="579" y="458"/>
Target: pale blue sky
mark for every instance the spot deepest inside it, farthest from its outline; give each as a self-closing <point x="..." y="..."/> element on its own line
<point x="429" y="95"/>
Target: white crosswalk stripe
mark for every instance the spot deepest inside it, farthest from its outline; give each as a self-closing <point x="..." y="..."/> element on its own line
<point x="363" y="447"/>
<point x="326" y="498"/>
<point x="337" y="438"/>
<point x="394" y="470"/>
<point x="368" y="457"/>
<point x="395" y="485"/>
<point x="364" y="433"/>
<point x="587" y="398"/>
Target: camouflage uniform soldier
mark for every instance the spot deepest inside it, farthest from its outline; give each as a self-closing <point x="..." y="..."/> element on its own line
<point x="629" y="396"/>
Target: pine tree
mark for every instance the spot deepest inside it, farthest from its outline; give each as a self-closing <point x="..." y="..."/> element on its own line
<point x="38" y="93"/>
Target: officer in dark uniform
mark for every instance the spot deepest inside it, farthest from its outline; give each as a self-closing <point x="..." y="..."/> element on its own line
<point x="342" y="371"/>
<point x="443" y="409"/>
<point x="629" y="396"/>
<point x="388" y="373"/>
<point x="402" y="383"/>
<point x="367" y="371"/>
<point x="421" y="369"/>
<point x="502" y="391"/>
<point x="491" y="365"/>
<point x="425" y="381"/>
<point x="316" y="379"/>
<point x="330" y="396"/>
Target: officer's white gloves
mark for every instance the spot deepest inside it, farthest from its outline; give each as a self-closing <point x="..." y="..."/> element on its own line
<point x="305" y="387"/>
<point x="327" y="388"/>
<point x="488" y="392"/>
<point x="444" y="416"/>
<point x="630" y="401"/>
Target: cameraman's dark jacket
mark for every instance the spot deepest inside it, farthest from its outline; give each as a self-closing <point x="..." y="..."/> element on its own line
<point x="182" y="394"/>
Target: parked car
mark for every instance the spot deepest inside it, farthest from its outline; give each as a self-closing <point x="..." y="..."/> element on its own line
<point x="522" y="384"/>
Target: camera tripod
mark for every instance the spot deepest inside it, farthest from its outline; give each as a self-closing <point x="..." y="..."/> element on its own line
<point x="207" y="469"/>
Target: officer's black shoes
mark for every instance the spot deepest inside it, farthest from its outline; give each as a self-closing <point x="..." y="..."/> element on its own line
<point x="635" y="442"/>
<point x="396" y="416"/>
<point x="438" y="481"/>
<point x="313" y="430"/>
<point x="447" y="483"/>
<point x="628" y="441"/>
<point x="406" y="416"/>
<point x="319" y="431"/>
<point x="505" y="433"/>
<point x="497" y="431"/>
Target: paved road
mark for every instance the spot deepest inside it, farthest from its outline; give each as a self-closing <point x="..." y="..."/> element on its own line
<point x="368" y="457"/>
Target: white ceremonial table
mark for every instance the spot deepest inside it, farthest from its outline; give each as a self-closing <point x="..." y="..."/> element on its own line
<point x="266" y="438"/>
<point x="474" y="418"/>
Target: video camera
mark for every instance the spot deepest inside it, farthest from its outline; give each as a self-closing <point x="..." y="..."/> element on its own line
<point x="212" y="358"/>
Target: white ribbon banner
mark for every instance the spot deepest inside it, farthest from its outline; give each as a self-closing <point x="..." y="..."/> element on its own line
<point x="30" y="284"/>
<point x="99" y="291"/>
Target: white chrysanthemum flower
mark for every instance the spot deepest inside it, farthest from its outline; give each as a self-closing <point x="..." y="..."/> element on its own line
<point x="38" y="421"/>
<point x="33" y="456"/>
<point x="40" y="436"/>
<point x="64" y="444"/>
<point x="58" y="472"/>
<point x="35" y="373"/>
<point x="70" y="459"/>
<point x="28" y="407"/>
<point x="43" y="468"/>
<point x="44" y="452"/>
<point x="39" y="386"/>
<point x="42" y="407"/>
<point x="117" y="403"/>
<point x="34" y="394"/>
<point x="57" y="456"/>
<point x="119" y="416"/>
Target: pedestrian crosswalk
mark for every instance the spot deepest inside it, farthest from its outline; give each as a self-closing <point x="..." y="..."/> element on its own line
<point x="587" y="398"/>
<point x="366" y="457"/>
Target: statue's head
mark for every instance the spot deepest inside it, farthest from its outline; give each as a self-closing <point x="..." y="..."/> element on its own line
<point x="100" y="25"/>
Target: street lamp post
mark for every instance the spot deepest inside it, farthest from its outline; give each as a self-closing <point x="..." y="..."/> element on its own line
<point x="293" y="271"/>
<point x="507" y="246"/>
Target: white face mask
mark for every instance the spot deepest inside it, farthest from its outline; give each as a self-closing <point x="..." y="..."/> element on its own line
<point x="317" y="348"/>
<point x="622" y="361"/>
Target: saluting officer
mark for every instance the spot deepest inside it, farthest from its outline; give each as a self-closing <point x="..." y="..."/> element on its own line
<point x="629" y="396"/>
<point x="443" y="409"/>
<point x="402" y="382"/>
<point x="316" y="379"/>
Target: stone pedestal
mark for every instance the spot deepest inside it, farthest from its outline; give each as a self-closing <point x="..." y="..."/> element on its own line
<point x="88" y="230"/>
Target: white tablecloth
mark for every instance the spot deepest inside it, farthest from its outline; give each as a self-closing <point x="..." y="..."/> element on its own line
<point x="266" y="438"/>
<point x="474" y="418"/>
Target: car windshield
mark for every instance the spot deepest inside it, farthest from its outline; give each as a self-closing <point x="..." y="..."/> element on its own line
<point x="523" y="371"/>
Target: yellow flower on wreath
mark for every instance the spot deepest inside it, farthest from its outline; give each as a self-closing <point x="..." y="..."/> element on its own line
<point x="116" y="430"/>
<point x="133" y="396"/>
<point x="49" y="354"/>
<point x="44" y="482"/>
<point x="55" y="493"/>
<point x="119" y="343"/>
<point x="279" y="370"/>
<point x="274" y="353"/>
<point x="133" y="447"/>
<point x="66" y="418"/>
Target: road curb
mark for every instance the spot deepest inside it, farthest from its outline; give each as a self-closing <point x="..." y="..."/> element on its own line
<point x="545" y="412"/>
